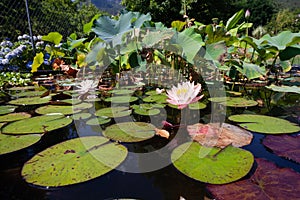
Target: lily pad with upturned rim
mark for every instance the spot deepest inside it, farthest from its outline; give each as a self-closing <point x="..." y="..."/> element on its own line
<point x="73" y="161"/>
<point x="37" y="125"/>
<point x="14" y="117"/>
<point x="113" y="112"/>
<point x="98" y="121"/>
<point x="130" y="131"/>
<point x="30" y="101"/>
<point x="210" y="164"/>
<point x="264" y="124"/>
<point x="7" y="109"/>
<point x="121" y="99"/>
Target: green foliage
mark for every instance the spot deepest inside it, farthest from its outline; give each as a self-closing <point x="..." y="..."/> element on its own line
<point x="9" y="79"/>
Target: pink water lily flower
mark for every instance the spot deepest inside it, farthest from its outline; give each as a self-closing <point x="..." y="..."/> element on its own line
<point x="184" y="94"/>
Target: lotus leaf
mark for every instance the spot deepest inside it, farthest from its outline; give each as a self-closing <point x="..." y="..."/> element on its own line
<point x="80" y="116"/>
<point x="29" y="94"/>
<point x="210" y="164"/>
<point x="7" y="109"/>
<point x="121" y="99"/>
<point x="98" y="121"/>
<point x="30" y="101"/>
<point x="73" y="161"/>
<point x="113" y="112"/>
<point x="284" y="145"/>
<point x="11" y="143"/>
<point x="292" y="89"/>
<point x="197" y="106"/>
<point x="38" y="124"/>
<point x="264" y="124"/>
<point x="157" y="98"/>
<point x="130" y="131"/>
<point x="14" y="117"/>
<point x="268" y="182"/>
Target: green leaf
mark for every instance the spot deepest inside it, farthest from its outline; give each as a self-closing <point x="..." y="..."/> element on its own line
<point x="98" y="121"/>
<point x="251" y="71"/>
<point x="289" y="52"/>
<point x="234" y="101"/>
<point x="212" y="165"/>
<point x="178" y="25"/>
<point x="283" y="88"/>
<point x="81" y="116"/>
<point x="264" y="124"/>
<point x="11" y="143"/>
<point x="215" y="51"/>
<point x="14" y="117"/>
<point x="121" y="99"/>
<point x="232" y="21"/>
<point x="53" y="37"/>
<point x="282" y="40"/>
<point x="5" y="109"/>
<point x="73" y="161"/>
<point x="88" y="26"/>
<point x="157" y="98"/>
<point x="197" y="106"/>
<point x="65" y="110"/>
<point x="30" y="101"/>
<point x="130" y="131"/>
<point x="113" y="112"/>
<point x="38" y="124"/>
<point x="29" y="93"/>
<point x="37" y="61"/>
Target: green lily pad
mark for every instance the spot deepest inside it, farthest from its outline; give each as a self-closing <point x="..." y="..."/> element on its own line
<point x="234" y="101"/>
<point x="121" y="99"/>
<point x="73" y="161"/>
<point x="121" y="92"/>
<point x="265" y="124"/>
<point x="157" y="98"/>
<point x="7" y="109"/>
<point x="80" y="116"/>
<point x="98" y="121"/>
<point x="22" y="88"/>
<point x="197" y="106"/>
<point x="173" y="106"/>
<point x="130" y="131"/>
<point x="113" y="112"/>
<point x="233" y="93"/>
<point x="30" y="101"/>
<point x="151" y="92"/>
<point x="216" y="166"/>
<point x="29" y="94"/>
<point x="292" y="89"/>
<point x="71" y="101"/>
<point x="11" y="143"/>
<point x="66" y="110"/>
<point x="14" y="117"/>
<point x="38" y="124"/>
<point x="147" y="109"/>
<point x="93" y="100"/>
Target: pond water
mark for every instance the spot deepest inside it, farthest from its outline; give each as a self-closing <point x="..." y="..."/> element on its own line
<point x="165" y="183"/>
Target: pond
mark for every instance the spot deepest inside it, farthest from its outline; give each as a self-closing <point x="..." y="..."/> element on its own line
<point x="137" y="174"/>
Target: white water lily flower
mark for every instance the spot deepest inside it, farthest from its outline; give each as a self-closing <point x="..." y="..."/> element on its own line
<point x="184" y="94"/>
<point x="86" y="85"/>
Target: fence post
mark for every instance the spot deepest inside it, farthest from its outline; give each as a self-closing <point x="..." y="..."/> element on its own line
<point x="30" y="28"/>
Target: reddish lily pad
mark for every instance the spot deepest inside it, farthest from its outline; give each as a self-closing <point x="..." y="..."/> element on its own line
<point x="268" y="182"/>
<point x="14" y="117"/>
<point x="73" y="161"/>
<point x="284" y="146"/>
<point x="38" y="124"/>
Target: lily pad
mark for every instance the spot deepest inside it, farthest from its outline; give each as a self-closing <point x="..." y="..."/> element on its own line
<point x="234" y="101"/>
<point x="216" y="166"/>
<point x="30" y="101"/>
<point x="147" y="109"/>
<point x="71" y="101"/>
<point x="151" y="92"/>
<point x="38" y="124"/>
<point x="113" y="112"/>
<point x="29" y="94"/>
<point x="14" y="117"/>
<point x="130" y="131"/>
<point x="121" y="99"/>
<point x="121" y="92"/>
<point x="157" y="98"/>
<point x="80" y="116"/>
<point x="11" y="143"/>
<point x="265" y="124"/>
<point x="197" y="106"/>
<point x="98" y="121"/>
<point x="292" y="89"/>
<point x="22" y="88"/>
<point x="66" y="110"/>
<point x="73" y="161"/>
<point x="284" y="145"/>
<point x="268" y="182"/>
<point x="7" y="109"/>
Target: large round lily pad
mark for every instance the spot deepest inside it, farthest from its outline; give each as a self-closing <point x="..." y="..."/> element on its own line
<point x="268" y="182"/>
<point x="38" y="124"/>
<point x="80" y="116"/>
<point x="265" y="124"/>
<point x="147" y="109"/>
<point x="7" y="109"/>
<point x="66" y="110"/>
<point x="30" y="101"/>
<point x="98" y="121"/>
<point x="121" y="99"/>
<point x="197" y="106"/>
<point x="130" y="131"/>
<point x="157" y="98"/>
<point x="113" y="112"/>
<point x="14" y="117"/>
<point x="11" y="143"/>
<point x="121" y="92"/>
<point x="216" y="166"/>
<point x="29" y="94"/>
<point x="73" y="161"/>
<point x="234" y="101"/>
<point x="22" y="88"/>
<point x="284" y="145"/>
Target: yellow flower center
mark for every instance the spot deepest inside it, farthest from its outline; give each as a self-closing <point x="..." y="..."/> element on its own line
<point x="181" y="91"/>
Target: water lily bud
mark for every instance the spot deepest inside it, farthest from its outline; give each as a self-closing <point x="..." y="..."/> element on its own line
<point x="247" y="14"/>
